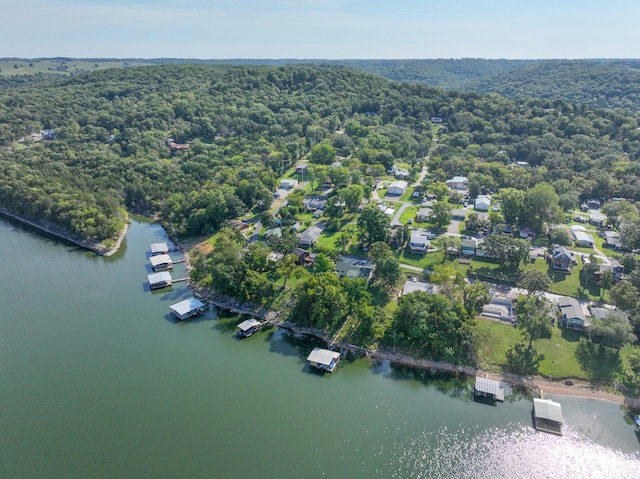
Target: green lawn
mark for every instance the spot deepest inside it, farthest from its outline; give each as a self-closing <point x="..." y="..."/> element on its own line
<point x="408" y="213"/>
<point x="407" y="195"/>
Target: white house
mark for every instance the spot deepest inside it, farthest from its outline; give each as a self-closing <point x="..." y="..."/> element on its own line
<point x="418" y="242"/>
<point x="482" y="203"/>
<point x="397" y="188"/>
<point x="458" y="183"/>
<point x="583" y="239"/>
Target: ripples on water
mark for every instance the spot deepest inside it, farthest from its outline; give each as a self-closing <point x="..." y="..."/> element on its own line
<point x="525" y="453"/>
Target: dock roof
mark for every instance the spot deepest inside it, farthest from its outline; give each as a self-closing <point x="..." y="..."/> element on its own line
<point x="159" y="248"/>
<point x="164" y="276"/>
<point x="186" y="306"/>
<point x="160" y="259"/>
<point x="547" y="409"/>
<point x="489" y="386"/>
<point x="248" y="324"/>
<point x="323" y="356"/>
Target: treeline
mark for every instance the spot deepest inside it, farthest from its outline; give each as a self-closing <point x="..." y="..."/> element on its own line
<point x="247" y="125"/>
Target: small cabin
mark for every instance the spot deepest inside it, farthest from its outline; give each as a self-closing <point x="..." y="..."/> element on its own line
<point x="323" y="359"/>
<point x="159" y="280"/>
<point x="160" y="262"/>
<point x="248" y="327"/>
<point x="547" y="416"/>
<point x="159" y="248"/>
<point x="187" y="308"/>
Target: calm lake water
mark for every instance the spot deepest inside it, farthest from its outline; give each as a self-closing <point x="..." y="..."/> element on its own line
<point x="97" y="381"/>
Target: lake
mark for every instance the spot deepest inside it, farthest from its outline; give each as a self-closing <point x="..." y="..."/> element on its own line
<point x="98" y="381"/>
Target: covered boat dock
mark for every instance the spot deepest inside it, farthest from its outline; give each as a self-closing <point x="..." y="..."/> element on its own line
<point x="323" y="359"/>
<point x="547" y="416"/>
<point x="488" y="388"/>
<point x="187" y="308"/>
<point x="159" y="248"/>
<point x="248" y="327"/>
<point x="159" y="280"/>
<point x="160" y="262"/>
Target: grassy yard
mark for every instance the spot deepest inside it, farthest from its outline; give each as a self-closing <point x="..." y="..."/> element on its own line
<point x="408" y="213"/>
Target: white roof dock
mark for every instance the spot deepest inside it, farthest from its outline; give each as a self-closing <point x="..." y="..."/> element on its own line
<point x="187" y="308"/>
<point x="547" y="415"/>
<point x="163" y="278"/>
<point x="159" y="248"/>
<point x="324" y="359"/>
<point x="489" y="387"/>
<point x="248" y="324"/>
<point x="160" y="261"/>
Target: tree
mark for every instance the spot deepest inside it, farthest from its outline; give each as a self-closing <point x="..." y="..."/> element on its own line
<point x="618" y="212"/>
<point x="613" y="331"/>
<point x="534" y="318"/>
<point x="561" y="237"/>
<point x="523" y="360"/>
<point x="373" y="225"/>
<point x="475" y="223"/>
<point x="286" y="267"/>
<point x="535" y="282"/>
<point x="439" y="189"/>
<point x="317" y="175"/>
<point x="506" y="249"/>
<point x="387" y="266"/>
<point x="440" y="215"/>
<point x="512" y="205"/>
<point x="541" y="206"/>
<point x="630" y="234"/>
<point x="475" y="296"/>
<point x="625" y="295"/>
<point x="322" y="153"/>
<point x="323" y="264"/>
<point x="352" y="196"/>
<point x="321" y="302"/>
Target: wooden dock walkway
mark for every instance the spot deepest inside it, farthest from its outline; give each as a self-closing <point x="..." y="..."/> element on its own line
<point x="178" y="280"/>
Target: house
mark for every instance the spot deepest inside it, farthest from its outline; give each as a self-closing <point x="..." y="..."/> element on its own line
<point x="302" y="168"/>
<point x="187" y="308"/>
<point x="323" y="359"/>
<point x="304" y="257"/>
<point x="458" y="183"/>
<point x="499" y="308"/>
<point x="597" y="218"/>
<point x="583" y="239"/>
<point x="159" y="248"/>
<point x="160" y="262"/>
<point x="418" y="242"/>
<point x="175" y="147"/>
<point x="288" y="183"/>
<point x="562" y="259"/>
<point x="526" y="232"/>
<point x="459" y="214"/>
<point x="593" y="204"/>
<point x="571" y="314"/>
<point x="414" y="285"/>
<point x="469" y="246"/>
<point x="355" y="268"/>
<point x="612" y="239"/>
<point x="309" y="236"/>
<point x="295" y="227"/>
<point x="614" y="266"/>
<point x="48" y="135"/>
<point x="316" y="203"/>
<point x="402" y="173"/>
<point x="159" y="280"/>
<point x="397" y="188"/>
<point x="423" y="215"/>
<point x="482" y="203"/>
<point x="604" y="313"/>
<point x="436" y="120"/>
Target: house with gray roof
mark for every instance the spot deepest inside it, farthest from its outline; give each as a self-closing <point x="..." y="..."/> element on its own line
<point x="571" y="314"/>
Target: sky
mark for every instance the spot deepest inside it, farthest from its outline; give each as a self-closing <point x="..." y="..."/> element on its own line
<point x="320" y="29"/>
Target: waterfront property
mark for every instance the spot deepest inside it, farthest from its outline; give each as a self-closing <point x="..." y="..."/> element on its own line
<point x="160" y="262"/>
<point x="488" y="388"/>
<point x="571" y="314"/>
<point x="323" y="359"/>
<point x="248" y="327"/>
<point x="159" y="280"/>
<point x="159" y="248"/>
<point x="187" y="308"/>
<point x="547" y="416"/>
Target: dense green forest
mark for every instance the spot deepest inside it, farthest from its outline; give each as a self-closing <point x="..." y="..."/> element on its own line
<point x="248" y="124"/>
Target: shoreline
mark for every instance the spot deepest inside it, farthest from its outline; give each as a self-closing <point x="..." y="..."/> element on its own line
<point x="97" y="248"/>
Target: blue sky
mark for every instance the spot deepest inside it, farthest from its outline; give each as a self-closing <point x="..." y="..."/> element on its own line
<point x="330" y="29"/>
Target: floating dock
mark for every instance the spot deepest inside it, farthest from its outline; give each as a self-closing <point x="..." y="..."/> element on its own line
<point x="161" y="262"/>
<point x="159" y="280"/>
<point x="159" y="248"/>
<point x="187" y="308"/>
<point x="248" y="327"/>
<point x="547" y="416"/>
<point x="324" y="359"/>
<point x="489" y="388"/>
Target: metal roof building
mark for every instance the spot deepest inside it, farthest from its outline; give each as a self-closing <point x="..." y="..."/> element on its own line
<point x="159" y="280"/>
<point x="547" y="415"/>
<point x="187" y="308"/>
<point x="160" y="262"/>
<point x="324" y="359"/>
<point x="248" y="327"/>
<point x="489" y="387"/>
<point x="159" y="248"/>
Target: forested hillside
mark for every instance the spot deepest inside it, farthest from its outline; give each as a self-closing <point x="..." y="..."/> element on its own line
<point x="246" y="125"/>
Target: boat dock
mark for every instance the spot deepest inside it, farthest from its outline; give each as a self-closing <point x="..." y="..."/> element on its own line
<point x="488" y="388"/>
<point x="547" y="415"/>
